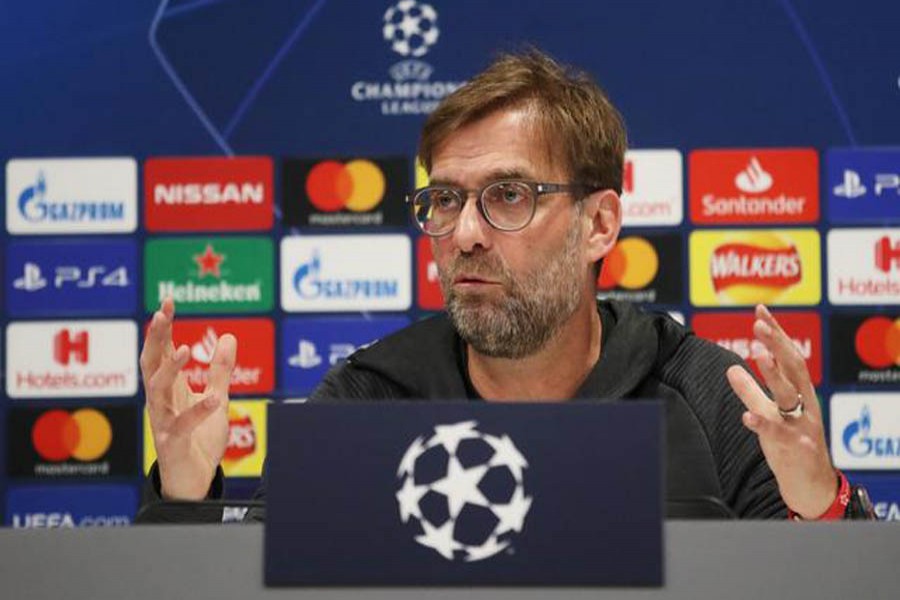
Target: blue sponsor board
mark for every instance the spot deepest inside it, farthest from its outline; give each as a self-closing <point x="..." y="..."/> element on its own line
<point x="311" y="346"/>
<point x="71" y="506"/>
<point x="884" y="490"/>
<point x="863" y="185"/>
<point x="50" y="278"/>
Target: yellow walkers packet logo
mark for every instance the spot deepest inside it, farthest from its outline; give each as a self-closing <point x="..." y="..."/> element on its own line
<point x="246" y="448"/>
<point x="780" y="267"/>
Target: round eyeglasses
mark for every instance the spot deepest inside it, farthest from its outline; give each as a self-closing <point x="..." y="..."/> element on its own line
<point x="505" y="205"/>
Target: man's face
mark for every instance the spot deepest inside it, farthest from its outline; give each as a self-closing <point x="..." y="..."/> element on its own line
<point x="508" y="293"/>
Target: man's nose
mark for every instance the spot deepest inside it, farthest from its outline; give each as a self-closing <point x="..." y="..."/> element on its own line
<point x="472" y="229"/>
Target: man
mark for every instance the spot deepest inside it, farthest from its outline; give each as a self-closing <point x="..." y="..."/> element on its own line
<point x="525" y="164"/>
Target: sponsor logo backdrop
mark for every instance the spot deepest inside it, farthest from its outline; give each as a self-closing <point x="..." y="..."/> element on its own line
<point x="259" y="145"/>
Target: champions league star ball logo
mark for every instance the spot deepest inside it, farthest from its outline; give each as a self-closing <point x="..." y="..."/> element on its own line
<point x="463" y="490"/>
<point x="411" y="28"/>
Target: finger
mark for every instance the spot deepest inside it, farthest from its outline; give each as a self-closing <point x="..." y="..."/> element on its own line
<point x="766" y="428"/>
<point x="782" y="347"/>
<point x="746" y="388"/>
<point x="160" y="385"/>
<point x="158" y="342"/>
<point x="187" y="421"/>
<point x="221" y="365"/>
<point x="783" y="391"/>
<point x="788" y="361"/>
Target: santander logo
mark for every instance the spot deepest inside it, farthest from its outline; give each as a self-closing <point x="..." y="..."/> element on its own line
<point x="753" y="179"/>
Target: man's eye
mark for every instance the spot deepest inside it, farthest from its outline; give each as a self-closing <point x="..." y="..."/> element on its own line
<point x="444" y="200"/>
<point x="511" y="194"/>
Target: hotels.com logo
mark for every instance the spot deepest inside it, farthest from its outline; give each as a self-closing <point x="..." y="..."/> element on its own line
<point x="241" y="435"/>
<point x="652" y="188"/>
<point x="864" y="266"/>
<point x="734" y="331"/>
<point x="887" y="255"/>
<point x="210" y="193"/>
<point x="67" y="347"/>
<point x="71" y="359"/>
<point x="754" y="186"/>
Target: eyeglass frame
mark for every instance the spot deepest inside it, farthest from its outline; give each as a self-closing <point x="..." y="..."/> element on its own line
<point x="538" y="189"/>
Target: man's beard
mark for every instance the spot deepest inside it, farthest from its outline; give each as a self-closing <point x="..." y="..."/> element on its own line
<point x="532" y="309"/>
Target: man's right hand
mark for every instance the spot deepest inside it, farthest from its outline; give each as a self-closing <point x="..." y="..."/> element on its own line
<point x="190" y="431"/>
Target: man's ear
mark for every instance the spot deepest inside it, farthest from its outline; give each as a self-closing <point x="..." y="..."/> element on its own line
<point x="603" y="213"/>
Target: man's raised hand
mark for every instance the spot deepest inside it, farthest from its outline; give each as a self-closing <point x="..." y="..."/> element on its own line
<point x="190" y="430"/>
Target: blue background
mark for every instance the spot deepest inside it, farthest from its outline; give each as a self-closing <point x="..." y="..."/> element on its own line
<point x="273" y="77"/>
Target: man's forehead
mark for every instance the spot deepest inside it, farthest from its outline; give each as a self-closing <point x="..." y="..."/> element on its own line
<point x="504" y="144"/>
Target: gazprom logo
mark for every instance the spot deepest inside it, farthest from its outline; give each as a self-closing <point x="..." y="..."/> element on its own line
<point x="35" y="207"/>
<point x="859" y="442"/>
<point x="310" y="285"/>
<point x="364" y="272"/>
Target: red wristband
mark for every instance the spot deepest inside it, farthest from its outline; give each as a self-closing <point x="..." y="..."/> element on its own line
<point x="837" y="509"/>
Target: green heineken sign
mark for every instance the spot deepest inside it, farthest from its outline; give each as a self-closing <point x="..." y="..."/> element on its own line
<point x="210" y="274"/>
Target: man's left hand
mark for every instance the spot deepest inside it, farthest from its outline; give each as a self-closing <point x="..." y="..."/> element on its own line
<point x="794" y="446"/>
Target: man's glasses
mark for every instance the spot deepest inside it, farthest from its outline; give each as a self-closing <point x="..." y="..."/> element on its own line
<point x="505" y="205"/>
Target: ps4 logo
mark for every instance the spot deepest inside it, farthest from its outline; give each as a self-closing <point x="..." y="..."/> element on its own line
<point x="33" y="280"/>
<point x="308" y="357"/>
<point x="852" y="186"/>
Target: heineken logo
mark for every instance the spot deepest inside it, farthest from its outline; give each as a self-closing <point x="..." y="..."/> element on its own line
<point x="210" y="275"/>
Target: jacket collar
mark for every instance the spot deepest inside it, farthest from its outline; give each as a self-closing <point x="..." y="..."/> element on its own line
<point x="424" y="358"/>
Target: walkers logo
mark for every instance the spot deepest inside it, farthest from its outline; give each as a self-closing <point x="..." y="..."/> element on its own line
<point x="90" y="441"/>
<point x="246" y="449"/>
<point x="633" y="272"/>
<point x="652" y="188"/>
<point x="429" y="282"/>
<point x="311" y="346"/>
<point x="865" y="349"/>
<point x="254" y="371"/>
<point x="71" y="196"/>
<point x="70" y="506"/>
<point x="865" y="431"/>
<point x="746" y="267"/>
<point x="214" y="193"/>
<point x="734" y="331"/>
<point x="410" y="29"/>
<point x="56" y="278"/>
<point x="55" y="359"/>
<point x="864" y="185"/>
<point x="884" y="490"/>
<point x="210" y="275"/>
<point x="346" y="273"/>
<point x="754" y="186"/>
<point x="353" y="193"/>
<point x="864" y="266"/>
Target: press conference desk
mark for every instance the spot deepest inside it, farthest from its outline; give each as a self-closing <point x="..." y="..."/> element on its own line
<point x="703" y="560"/>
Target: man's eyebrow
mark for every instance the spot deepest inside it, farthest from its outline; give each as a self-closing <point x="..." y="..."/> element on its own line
<point x="496" y="175"/>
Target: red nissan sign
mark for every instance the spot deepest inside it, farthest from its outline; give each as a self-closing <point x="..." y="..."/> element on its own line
<point x="209" y="194"/>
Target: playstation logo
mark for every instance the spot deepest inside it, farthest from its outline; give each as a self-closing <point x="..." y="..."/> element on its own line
<point x="851" y="187"/>
<point x="307" y="357"/>
<point x="31" y="280"/>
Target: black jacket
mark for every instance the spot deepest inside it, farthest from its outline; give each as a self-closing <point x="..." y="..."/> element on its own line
<point x="643" y="355"/>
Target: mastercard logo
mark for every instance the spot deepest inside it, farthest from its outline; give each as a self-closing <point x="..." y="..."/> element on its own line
<point x="59" y="435"/>
<point x="632" y="264"/>
<point x="357" y="186"/>
<point x="877" y="342"/>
